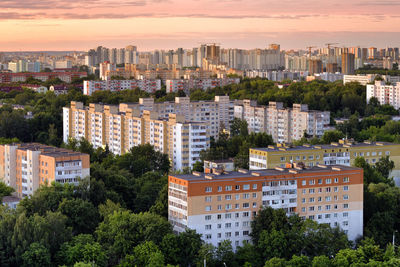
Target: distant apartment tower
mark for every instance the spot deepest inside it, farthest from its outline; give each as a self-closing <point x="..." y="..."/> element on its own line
<point x="27" y="166"/>
<point x="283" y="124"/>
<point x="348" y="63"/>
<point x="125" y="126"/>
<point x="222" y="205"/>
<point x="385" y="93"/>
<point x="332" y="67"/>
<point x="315" y="66"/>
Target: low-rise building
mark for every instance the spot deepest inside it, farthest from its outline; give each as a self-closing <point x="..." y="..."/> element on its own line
<point x="343" y="153"/>
<point x="221" y="206"/>
<point x="223" y="165"/>
<point x="26" y="166"/>
<point x="203" y="84"/>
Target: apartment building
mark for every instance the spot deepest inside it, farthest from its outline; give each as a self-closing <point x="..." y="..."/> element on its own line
<point x="283" y="124"/>
<point x="342" y="153"/>
<point x="385" y="93"/>
<point x="150" y="86"/>
<point x="25" y="167"/>
<point x="203" y="84"/>
<point x="123" y="127"/>
<point x="216" y="114"/>
<point x="221" y="206"/>
<point x="66" y="76"/>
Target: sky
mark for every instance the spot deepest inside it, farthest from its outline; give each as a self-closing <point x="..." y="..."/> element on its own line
<point x="37" y="25"/>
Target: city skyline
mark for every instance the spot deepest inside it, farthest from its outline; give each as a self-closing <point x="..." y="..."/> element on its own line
<point x="28" y="25"/>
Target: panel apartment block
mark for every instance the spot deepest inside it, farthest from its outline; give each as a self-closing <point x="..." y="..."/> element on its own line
<point x="343" y="153"/>
<point x="123" y="127"/>
<point x="25" y="167"/>
<point x="283" y="124"/>
<point x="221" y="206"/>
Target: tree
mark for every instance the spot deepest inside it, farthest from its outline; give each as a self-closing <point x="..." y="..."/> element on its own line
<point x="332" y="136"/>
<point x="37" y="255"/>
<point x="5" y="190"/>
<point x="384" y="166"/>
<point x="239" y="127"/>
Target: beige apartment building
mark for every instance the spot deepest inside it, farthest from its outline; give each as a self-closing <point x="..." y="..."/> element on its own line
<point x="283" y="124"/>
<point x="125" y="126"/>
<point x="25" y="167"/>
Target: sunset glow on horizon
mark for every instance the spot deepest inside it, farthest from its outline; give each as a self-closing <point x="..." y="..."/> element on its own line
<point x="163" y="24"/>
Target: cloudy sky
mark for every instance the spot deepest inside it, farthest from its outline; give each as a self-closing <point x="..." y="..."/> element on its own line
<point x="149" y="24"/>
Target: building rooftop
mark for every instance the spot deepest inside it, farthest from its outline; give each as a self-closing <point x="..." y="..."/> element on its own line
<point x="197" y="176"/>
<point x="318" y="147"/>
<point x="48" y="150"/>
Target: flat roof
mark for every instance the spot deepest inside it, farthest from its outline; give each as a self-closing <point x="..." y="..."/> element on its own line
<point x="319" y="147"/>
<point x="48" y="150"/>
<point x="262" y="173"/>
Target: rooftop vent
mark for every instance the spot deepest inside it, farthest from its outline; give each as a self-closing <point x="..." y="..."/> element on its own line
<point x="293" y="171"/>
<point x="256" y="174"/>
<point x="322" y="166"/>
<point x="195" y="173"/>
<point x="279" y="169"/>
<point x="336" y="169"/>
<point x="209" y="177"/>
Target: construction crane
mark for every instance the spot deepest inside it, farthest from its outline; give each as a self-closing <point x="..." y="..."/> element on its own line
<point x="329" y="45"/>
<point x="309" y="50"/>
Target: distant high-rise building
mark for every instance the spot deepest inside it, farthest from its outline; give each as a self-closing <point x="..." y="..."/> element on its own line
<point x="348" y="63"/>
<point x="315" y="66"/>
<point x="332" y="67"/>
<point x="372" y="53"/>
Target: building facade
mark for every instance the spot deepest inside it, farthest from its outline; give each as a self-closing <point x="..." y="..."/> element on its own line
<point x="150" y="86"/>
<point x="343" y="153"/>
<point x="204" y="84"/>
<point x="221" y="206"/>
<point x="25" y="167"/>
<point x="385" y="93"/>
<point x="123" y="127"/>
<point x="283" y="124"/>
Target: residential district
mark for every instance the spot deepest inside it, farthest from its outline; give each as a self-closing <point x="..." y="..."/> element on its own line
<point x="230" y="153"/>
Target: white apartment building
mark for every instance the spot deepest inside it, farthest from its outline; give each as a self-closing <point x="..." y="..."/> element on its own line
<point x="122" y="127"/>
<point x="203" y="84"/>
<point x="385" y="93"/>
<point x="283" y="124"/>
<point x="150" y="86"/>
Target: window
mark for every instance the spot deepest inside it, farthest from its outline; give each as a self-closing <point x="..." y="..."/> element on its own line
<point x="237" y="234"/>
<point x="311" y="208"/>
<point x="246" y="214"/>
<point x="208" y="236"/>
<point x="328" y="198"/>
<point x="346" y="188"/>
<point x="311" y="182"/>
<point x="208" y="199"/>
<point x="328" y="181"/>
<point x="319" y="207"/>
<point x="237" y="196"/>
<point x="327" y="207"/>
<point x="208" y="208"/>
<point x="311" y="217"/>
<point x="219" y="207"/>
<point x="237" y="206"/>
<point x="228" y="197"/>
<point x="208" y="226"/>
<point x="228" y="234"/>
<point x="246" y="187"/>
<point x="228" y="206"/>
<point x="227" y="225"/>
<point x="237" y="214"/>
<point x="319" y="199"/>
<point x="219" y="235"/>
<point x="303" y="209"/>
<point x="304" y="182"/>
<point x="282" y="158"/>
<point x="254" y="195"/>
<point x="245" y="232"/>
<point x="246" y="224"/>
<point x="311" y="191"/>
<point x="207" y="217"/>
<point x="219" y="198"/>
<point x="328" y="189"/>
<point x="336" y="180"/>
<point x="335" y="206"/>
<point x="246" y="196"/>
<point x="335" y="189"/>
<point x="219" y="226"/>
<point x="303" y="200"/>
<point x="237" y="187"/>
<point x="219" y="188"/>
<point x="303" y="191"/>
<point x="254" y="204"/>
<point x="246" y="205"/>
<point x="254" y="186"/>
<point x="311" y="199"/>
<point x="346" y="206"/>
<point x="208" y="189"/>
<point x="319" y="217"/>
<point x="345" y="197"/>
<point x="228" y="216"/>
<point x="345" y="223"/>
<point x="327" y="216"/>
<point x="387" y="153"/>
<point x="345" y="179"/>
<point x="319" y="181"/>
<point x="219" y="216"/>
<point x="228" y="188"/>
